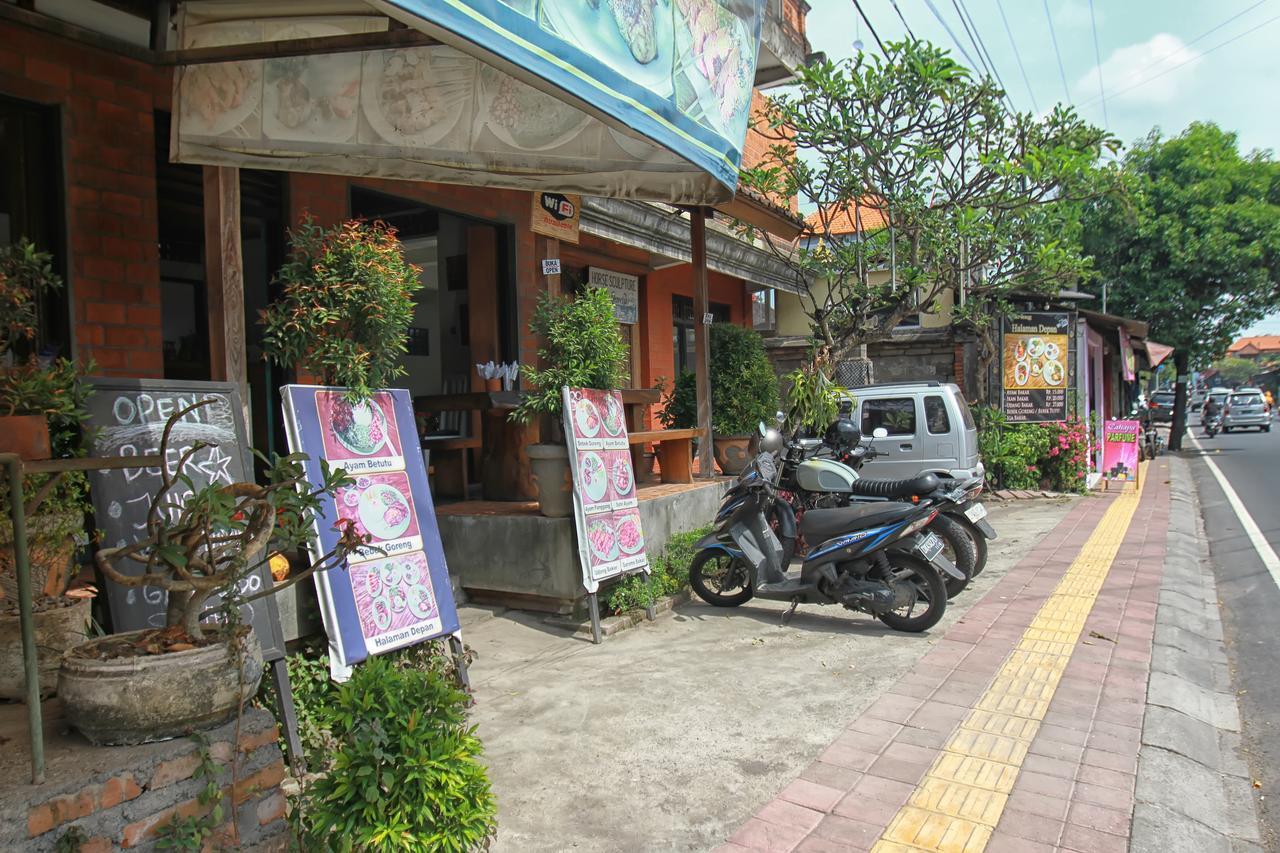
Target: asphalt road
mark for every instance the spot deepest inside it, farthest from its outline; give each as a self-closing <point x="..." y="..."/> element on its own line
<point x="1248" y="593"/>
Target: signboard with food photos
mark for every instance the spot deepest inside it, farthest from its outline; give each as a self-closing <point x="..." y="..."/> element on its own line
<point x="395" y="592"/>
<point x="1036" y="350"/>
<point x="610" y="537"/>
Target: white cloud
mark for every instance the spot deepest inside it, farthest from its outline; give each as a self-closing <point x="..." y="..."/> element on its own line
<point x="1135" y="66"/>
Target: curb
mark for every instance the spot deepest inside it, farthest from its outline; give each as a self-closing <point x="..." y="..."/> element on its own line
<point x="1194" y="791"/>
<point x="613" y="624"/>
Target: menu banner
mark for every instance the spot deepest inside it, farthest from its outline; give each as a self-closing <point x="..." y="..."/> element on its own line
<point x="1035" y="361"/>
<point x="395" y="592"/>
<point x="610" y="536"/>
<point x="1120" y="450"/>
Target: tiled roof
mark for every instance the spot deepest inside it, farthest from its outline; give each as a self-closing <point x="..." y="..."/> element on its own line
<point x="1259" y="343"/>
<point x="869" y="216"/>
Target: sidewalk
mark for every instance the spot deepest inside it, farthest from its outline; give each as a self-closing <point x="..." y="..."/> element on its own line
<point x="1022" y="729"/>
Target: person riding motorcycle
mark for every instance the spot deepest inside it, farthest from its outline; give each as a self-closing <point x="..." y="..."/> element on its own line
<point x="1268" y="400"/>
<point x="1209" y="411"/>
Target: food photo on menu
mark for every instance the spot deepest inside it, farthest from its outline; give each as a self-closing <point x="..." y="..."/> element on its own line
<point x="362" y="436"/>
<point x="381" y="505"/>
<point x="393" y="594"/>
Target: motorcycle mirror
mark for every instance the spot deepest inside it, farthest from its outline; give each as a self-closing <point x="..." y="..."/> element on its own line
<point x="880" y="432"/>
<point x="780" y="417"/>
<point x="761" y="429"/>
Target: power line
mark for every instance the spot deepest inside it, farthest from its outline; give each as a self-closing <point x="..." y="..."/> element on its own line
<point x="904" y="20"/>
<point x="1191" y="59"/>
<point x="973" y="41"/>
<point x="982" y="47"/>
<point x="1053" y="34"/>
<point x="867" y="21"/>
<point x="1017" y="55"/>
<point x="1097" y="55"/>
<point x="934" y="9"/>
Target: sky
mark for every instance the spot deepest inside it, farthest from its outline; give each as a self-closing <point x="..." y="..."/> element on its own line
<point x="1164" y="63"/>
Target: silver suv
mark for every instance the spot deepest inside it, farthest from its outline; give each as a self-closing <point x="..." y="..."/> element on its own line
<point x="1246" y="408"/>
<point x="930" y="430"/>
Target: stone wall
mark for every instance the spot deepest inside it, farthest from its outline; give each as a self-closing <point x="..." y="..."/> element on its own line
<point x="120" y="797"/>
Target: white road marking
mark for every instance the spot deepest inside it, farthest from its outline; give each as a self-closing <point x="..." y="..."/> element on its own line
<point x="1251" y="529"/>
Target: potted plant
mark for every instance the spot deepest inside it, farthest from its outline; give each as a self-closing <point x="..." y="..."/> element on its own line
<point x="813" y="401"/>
<point x="44" y="407"/>
<point x="345" y="306"/>
<point x="159" y="683"/>
<point x="581" y="348"/>
<point x="744" y="392"/>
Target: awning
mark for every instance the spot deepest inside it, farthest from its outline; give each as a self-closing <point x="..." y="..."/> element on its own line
<point x="1135" y="328"/>
<point x="1156" y="353"/>
<point x="605" y="99"/>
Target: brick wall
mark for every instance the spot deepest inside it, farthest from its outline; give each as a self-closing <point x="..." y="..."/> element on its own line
<point x="120" y="797"/>
<point x="756" y="146"/>
<point x="106" y="105"/>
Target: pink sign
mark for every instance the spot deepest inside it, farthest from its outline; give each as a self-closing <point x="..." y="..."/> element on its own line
<point x="611" y="540"/>
<point x="1120" y="450"/>
<point x="362" y="438"/>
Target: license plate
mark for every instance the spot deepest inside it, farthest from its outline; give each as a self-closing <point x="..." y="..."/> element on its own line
<point x="929" y="546"/>
<point x="977" y="512"/>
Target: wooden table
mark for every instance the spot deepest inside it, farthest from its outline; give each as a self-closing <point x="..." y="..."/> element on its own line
<point x="504" y="467"/>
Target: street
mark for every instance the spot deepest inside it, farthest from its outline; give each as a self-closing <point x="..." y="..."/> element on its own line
<point x="1247" y="591"/>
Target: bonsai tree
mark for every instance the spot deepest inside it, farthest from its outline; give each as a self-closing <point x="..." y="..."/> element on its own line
<point x="744" y="389"/>
<point x="208" y="542"/>
<point x="345" y="306"/>
<point x="582" y="348"/>
<point x="54" y="391"/>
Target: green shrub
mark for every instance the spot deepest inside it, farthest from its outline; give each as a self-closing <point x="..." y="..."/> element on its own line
<point x="744" y="388"/>
<point x="669" y="575"/>
<point x="1021" y="456"/>
<point x="680" y="405"/>
<point x="406" y="774"/>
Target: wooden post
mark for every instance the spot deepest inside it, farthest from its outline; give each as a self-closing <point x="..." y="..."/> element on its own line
<point x="701" y="348"/>
<point x="224" y="276"/>
<point x="551" y="252"/>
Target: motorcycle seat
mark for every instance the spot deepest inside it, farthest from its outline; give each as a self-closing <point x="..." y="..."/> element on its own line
<point x="818" y="525"/>
<point x="922" y="485"/>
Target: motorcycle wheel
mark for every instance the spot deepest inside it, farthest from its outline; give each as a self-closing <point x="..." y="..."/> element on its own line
<point x="929" y="590"/>
<point x="958" y="547"/>
<point x="714" y="575"/>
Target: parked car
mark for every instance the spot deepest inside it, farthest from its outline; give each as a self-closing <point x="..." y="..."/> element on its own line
<point x="930" y="430"/>
<point x="1162" y="406"/>
<point x="1246" y="408"/>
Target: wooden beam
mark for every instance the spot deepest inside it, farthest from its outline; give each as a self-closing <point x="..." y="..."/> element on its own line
<point x="224" y="278"/>
<point x="550" y="252"/>
<point x="297" y="47"/>
<point x="701" y="346"/>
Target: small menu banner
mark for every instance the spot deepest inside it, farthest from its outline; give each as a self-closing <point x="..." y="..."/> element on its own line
<point x="610" y="536"/>
<point x="1120" y="450"/>
<point x="395" y="592"/>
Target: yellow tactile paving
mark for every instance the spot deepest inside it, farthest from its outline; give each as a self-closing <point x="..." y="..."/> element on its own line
<point x="959" y="802"/>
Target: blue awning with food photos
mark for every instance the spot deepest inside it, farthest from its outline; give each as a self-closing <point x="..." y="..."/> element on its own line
<point x="643" y="99"/>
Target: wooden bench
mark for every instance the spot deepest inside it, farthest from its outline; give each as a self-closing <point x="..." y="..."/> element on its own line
<point x="452" y="478"/>
<point x="675" y="451"/>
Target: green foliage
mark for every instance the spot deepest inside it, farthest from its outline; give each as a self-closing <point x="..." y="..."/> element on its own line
<point x="1235" y="371"/>
<point x="190" y="832"/>
<point x="947" y="186"/>
<point x="813" y="400"/>
<point x="669" y="575"/>
<point x="406" y="773"/>
<point x="680" y="405"/>
<point x="744" y="388"/>
<point x="1193" y="247"/>
<point x="582" y="348"/>
<point x="71" y="841"/>
<point x="345" y="305"/>
<point x="26" y="274"/>
<point x="1021" y="456"/>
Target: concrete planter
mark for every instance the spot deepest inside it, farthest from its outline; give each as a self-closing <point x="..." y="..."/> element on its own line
<point x="156" y="697"/>
<point x="550" y="466"/>
<point x="731" y="452"/>
<point x="58" y="628"/>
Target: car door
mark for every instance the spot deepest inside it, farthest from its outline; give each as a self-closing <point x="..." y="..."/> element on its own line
<point x="901" y="451"/>
<point x="938" y="436"/>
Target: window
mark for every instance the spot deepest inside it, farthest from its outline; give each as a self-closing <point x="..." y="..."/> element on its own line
<point x="1246" y="399"/>
<point x="682" y="322"/>
<point x="935" y="415"/>
<point x="896" y="414"/>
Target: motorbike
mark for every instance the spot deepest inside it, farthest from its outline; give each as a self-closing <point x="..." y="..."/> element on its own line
<point x="1152" y="443"/>
<point x="824" y="473"/>
<point x="872" y="558"/>
<point x="1212" y="425"/>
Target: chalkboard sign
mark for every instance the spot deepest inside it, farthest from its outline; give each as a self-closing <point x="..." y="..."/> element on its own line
<point x="128" y="418"/>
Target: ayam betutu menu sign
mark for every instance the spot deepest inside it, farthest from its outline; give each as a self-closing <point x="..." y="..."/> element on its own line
<point x="610" y="537"/>
<point x="395" y="592"/>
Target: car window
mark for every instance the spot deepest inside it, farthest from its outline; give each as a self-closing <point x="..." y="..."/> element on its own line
<point x="1246" y="399"/>
<point x="896" y="414"/>
<point x="935" y="415"/>
<point x="1163" y="399"/>
<point x="967" y="416"/>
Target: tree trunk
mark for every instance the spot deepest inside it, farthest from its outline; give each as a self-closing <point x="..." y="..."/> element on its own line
<point x="1179" y="425"/>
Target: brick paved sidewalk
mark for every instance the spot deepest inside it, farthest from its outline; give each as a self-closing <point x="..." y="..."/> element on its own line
<point x="1020" y="730"/>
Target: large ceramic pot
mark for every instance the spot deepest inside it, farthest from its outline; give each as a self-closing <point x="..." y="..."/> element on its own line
<point x="25" y="435"/>
<point x="549" y="464"/>
<point x="130" y="700"/>
<point x="61" y="623"/>
<point x="732" y="453"/>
